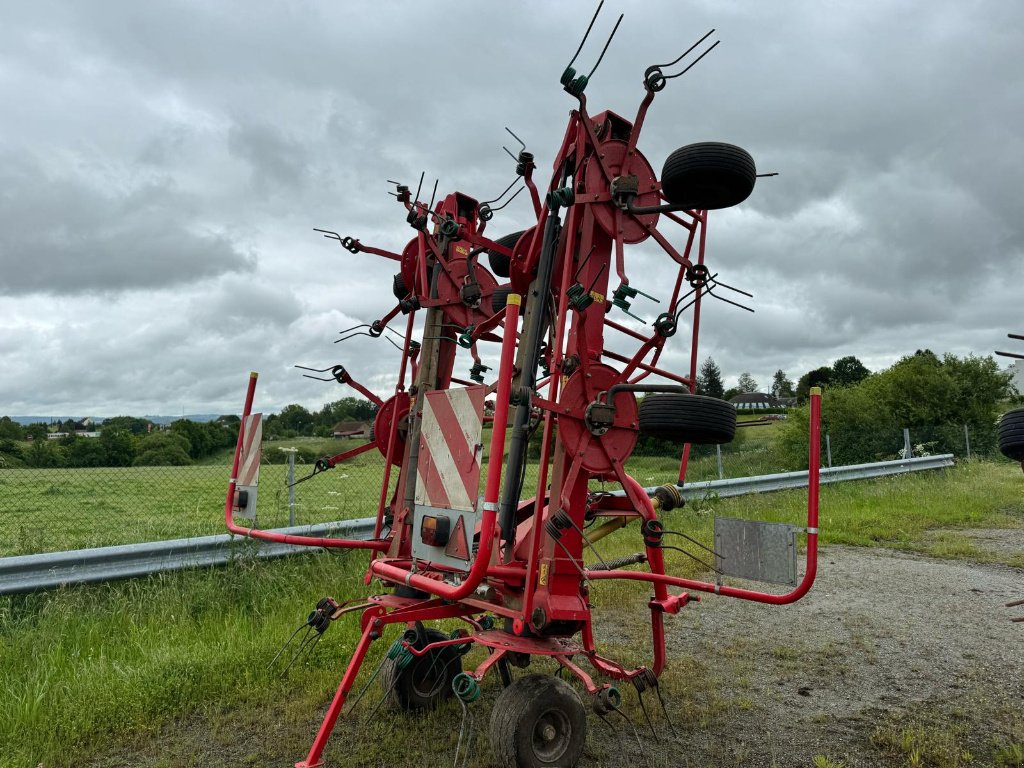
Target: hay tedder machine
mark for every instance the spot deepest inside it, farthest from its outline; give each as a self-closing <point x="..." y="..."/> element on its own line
<point x="460" y="534"/>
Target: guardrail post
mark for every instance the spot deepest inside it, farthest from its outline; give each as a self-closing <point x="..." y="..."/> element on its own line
<point x="718" y="453"/>
<point x="908" y="452"/>
<point x="967" y="441"/>
<point x="828" y="449"/>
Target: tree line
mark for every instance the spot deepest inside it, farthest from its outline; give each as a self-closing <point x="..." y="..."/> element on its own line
<point x="933" y="397"/>
<point x="125" y="441"/>
<point x="846" y="371"/>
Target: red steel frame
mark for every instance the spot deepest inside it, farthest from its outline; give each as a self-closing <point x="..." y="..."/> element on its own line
<point x="538" y="584"/>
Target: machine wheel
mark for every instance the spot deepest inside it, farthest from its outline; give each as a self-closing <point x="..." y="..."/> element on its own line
<point x="427" y="680"/>
<point x="500" y="262"/>
<point x="499" y="299"/>
<point x="538" y="721"/>
<point x="398" y="287"/>
<point x="1011" y="434"/>
<point x="708" y="175"/>
<point x="688" y="418"/>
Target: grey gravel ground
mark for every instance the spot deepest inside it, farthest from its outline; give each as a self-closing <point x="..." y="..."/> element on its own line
<point x="884" y="642"/>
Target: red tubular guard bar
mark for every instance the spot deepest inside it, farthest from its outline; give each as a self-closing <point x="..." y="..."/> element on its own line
<point x="283" y="538"/>
<point x="812" y="538"/>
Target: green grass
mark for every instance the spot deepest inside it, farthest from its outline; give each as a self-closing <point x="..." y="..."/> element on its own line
<point x="178" y="661"/>
<point x="47" y="510"/>
<point x="44" y="510"/>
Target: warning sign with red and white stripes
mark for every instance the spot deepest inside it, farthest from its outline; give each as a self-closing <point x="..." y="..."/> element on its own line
<point x="249" y="466"/>
<point x="448" y="469"/>
<point x="252" y="443"/>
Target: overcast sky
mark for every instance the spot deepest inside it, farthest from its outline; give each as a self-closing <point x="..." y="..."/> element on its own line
<point x="162" y="166"/>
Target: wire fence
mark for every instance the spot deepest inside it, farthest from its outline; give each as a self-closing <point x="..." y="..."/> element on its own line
<point x="54" y="509"/>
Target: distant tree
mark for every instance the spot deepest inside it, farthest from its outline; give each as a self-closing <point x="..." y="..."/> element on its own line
<point x="37" y="431"/>
<point x="295" y="418"/>
<point x="10" y="429"/>
<point x="44" y="453"/>
<point x="132" y="424"/>
<point x="920" y="392"/>
<point x="345" y="409"/>
<point x="819" y="377"/>
<point x="709" y="379"/>
<point x="231" y="421"/>
<point x="847" y="371"/>
<point x="162" y="449"/>
<point x="746" y="383"/>
<point x="85" y="452"/>
<point x="730" y="393"/>
<point x="196" y="435"/>
<point x="118" y="447"/>
<point x="782" y="386"/>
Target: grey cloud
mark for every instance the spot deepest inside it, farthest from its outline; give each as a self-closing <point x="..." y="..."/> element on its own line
<point x="62" y="235"/>
<point x="164" y="145"/>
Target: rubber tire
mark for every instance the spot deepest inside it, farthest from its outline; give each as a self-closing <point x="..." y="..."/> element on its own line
<point x="1011" y="434"/>
<point x="398" y="287"/>
<point x="522" y="707"/>
<point x="695" y="419"/>
<point x="708" y="176"/>
<point x="404" y="687"/>
<point x="500" y="263"/>
<point x="499" y="299"/>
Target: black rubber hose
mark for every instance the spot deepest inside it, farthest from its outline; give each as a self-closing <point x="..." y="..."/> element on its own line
<point x="531" y="343"/>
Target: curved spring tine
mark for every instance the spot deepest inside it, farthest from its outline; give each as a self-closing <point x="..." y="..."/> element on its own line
<point x="512" y="184"/>
<point x="521" y="142"/>
<point x="694" y="62"/>
<point x="694" y="541"/>
<point x="510" y="199"/>
<point x="691" y="556"/>
<point x="647" y="717"/>
<point x="306" y="625"/>
<point x="635" y="733"/>
<point x="664" y="709"/>
<point x="609" y="42"/>
<point x="586" y="34"/>
<point x="316" y="370"/>
<point x="329" y="234"/>
<point x="683" y="54"/>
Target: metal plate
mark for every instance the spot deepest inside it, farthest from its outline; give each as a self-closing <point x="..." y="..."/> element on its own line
<point x="451" y="446"/>
<point x="439" y="555"/>
<point x="249" y="463"/>
<point x="750" y="549"/>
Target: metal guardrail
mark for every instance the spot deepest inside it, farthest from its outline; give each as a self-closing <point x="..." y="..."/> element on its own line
<point x="27" y="573"/>
<point x="787" y="480"/>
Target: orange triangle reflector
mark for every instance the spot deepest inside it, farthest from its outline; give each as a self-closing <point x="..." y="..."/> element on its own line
<point x="458" y="544"/>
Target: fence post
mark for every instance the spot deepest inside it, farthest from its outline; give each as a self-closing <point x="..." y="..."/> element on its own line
<point x="291" y="483"/>
<point x="718" y="453"/>
<point x="907" y="450"/>
<point x="828" y="449"/>
<point x="967" y="442"/>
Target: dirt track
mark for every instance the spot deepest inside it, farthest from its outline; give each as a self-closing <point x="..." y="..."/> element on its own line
<point x="889" y="653"/>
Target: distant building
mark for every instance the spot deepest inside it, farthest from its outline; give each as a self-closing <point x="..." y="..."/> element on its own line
<point x="753" y="401"/>
<point x="351" y="429"/>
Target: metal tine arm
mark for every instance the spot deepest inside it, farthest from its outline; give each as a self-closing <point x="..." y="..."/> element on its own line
<point x="681" y="56"/>
<point x="585" y="35"/>
<point x="607" y="43"/>
<point x="516" y="194"/>
<point x="511" y="184"/>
